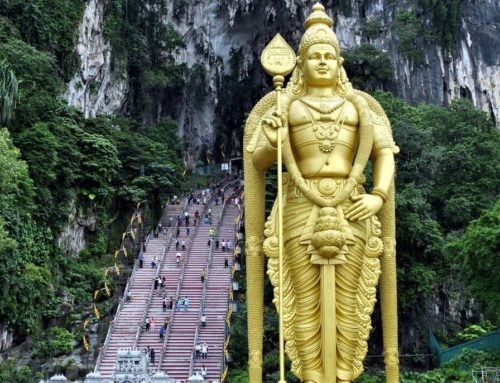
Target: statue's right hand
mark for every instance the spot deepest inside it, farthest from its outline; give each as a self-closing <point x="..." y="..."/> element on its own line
<point x="270" y="126"/>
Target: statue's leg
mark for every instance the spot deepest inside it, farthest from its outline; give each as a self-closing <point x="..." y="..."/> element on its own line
<point x="305" y="277"/>
<point x="305" y="281"/>
<point x="347" y="284"/>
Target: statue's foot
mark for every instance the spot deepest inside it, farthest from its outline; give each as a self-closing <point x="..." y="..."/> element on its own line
<point x="343" y="381"/>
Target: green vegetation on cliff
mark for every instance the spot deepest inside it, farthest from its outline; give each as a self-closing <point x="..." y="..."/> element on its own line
<point x="58" y="166"/>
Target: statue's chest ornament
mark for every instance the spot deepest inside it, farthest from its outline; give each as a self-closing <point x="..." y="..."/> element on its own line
<point x="327" y="135"/>
<point x="326" y="130"/>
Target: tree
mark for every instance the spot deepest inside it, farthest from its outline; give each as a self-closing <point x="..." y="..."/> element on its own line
<point x="16" y="188"/>
<point x="476" y="254"/>
<point x="368" y="68"/>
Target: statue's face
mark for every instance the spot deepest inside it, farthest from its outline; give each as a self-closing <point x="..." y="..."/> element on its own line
<point x="320" y="65"/>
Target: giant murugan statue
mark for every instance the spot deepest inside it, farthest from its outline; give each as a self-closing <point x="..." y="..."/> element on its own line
<point x="337" y="238"/>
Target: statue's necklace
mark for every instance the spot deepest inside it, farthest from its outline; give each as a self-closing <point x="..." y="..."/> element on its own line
<point x="324" y="108"/>
<point x="325" y="133"/>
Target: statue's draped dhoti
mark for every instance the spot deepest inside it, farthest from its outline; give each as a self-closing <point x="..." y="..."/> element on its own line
<point x="355" y="281"/>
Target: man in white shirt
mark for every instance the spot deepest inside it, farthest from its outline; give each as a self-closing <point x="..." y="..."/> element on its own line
<point x="204" y="351"/>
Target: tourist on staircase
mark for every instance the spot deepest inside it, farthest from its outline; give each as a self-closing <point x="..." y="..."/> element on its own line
<point x="203" y="371"/>
<point x="164" y="304"/>
<point x="203" y="275"/>
<point x="204" y="351"/>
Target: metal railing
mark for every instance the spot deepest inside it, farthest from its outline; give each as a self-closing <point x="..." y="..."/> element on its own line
<point x="486" y="375"/>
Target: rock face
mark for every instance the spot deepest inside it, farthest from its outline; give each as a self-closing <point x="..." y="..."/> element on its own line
<point x="72" y="237"/>
<point x="6" y="337"/>
<point x="98" y="87"/>
<point x="213" y="29"/>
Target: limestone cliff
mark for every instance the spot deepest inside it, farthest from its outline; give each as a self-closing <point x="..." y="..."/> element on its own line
<point x="213" y="29"/>
<point x="97" y="88"/>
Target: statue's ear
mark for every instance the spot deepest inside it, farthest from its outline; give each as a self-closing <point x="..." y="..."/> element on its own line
<point x="341" y="60"/>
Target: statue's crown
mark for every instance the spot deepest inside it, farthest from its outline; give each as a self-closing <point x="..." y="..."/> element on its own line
<point x="318" y="15"/>
<point x="318" y="31"/>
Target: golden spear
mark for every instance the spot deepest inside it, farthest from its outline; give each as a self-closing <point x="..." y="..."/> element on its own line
<point x="279" y="60"/>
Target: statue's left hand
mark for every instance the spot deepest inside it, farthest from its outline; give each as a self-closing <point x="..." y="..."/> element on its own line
<point x="365" y="206"/>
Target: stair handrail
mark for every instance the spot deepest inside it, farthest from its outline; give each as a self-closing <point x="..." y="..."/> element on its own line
<point x="151" y="291"/>
<point x="205" y="287"/>
<point x="177" y="292"/>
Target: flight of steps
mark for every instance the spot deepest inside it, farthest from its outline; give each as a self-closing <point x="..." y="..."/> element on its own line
<point x="216" y="304"/>
<point x="172" y="272"/>
<point x="130" y="316"/>
<point x="177" y="358"/>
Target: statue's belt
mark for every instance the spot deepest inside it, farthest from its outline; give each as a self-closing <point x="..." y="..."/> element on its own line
<point x="326" y="187"/>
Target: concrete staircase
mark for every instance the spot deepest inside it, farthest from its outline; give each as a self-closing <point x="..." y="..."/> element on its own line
<point x="175" y="353"/>
<point x="216" y="304"/>
<point x="180" y="343"/>
<point x="130" y="316"/>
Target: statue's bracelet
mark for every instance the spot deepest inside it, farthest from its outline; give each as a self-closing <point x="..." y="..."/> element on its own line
<point x="380" y="193"/>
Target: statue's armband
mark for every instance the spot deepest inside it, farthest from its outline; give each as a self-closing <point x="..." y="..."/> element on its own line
<point x="382" y="136"/>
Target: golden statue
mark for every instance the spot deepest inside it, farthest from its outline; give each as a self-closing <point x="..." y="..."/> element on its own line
<point x="336" y="239"/>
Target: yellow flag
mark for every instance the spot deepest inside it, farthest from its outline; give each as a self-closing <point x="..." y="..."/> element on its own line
<point x="223" y="375"/>
<point x="138" y="206"/>
<point x="86" y="344"/>
<point x="185" y="168"/>
<point x="123" y="236"/>
<point x="222" y="150"/>
<point x="116" y="253"/>
<point x="106" y="271"/>
<point x="132" y="219"/>
<point x="139" y="219"/>
<point x="132" y="234"/>
<point x="85" y="323"/>
<point x="96" y="312"/>
<point x="106" y="288"/>
<point x="117" y="269"/>
<point x="96" y="292"/>
<point x="124" y="249"/>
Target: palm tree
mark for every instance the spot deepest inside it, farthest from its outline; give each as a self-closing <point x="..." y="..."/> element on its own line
<point x="8" y="92"/>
